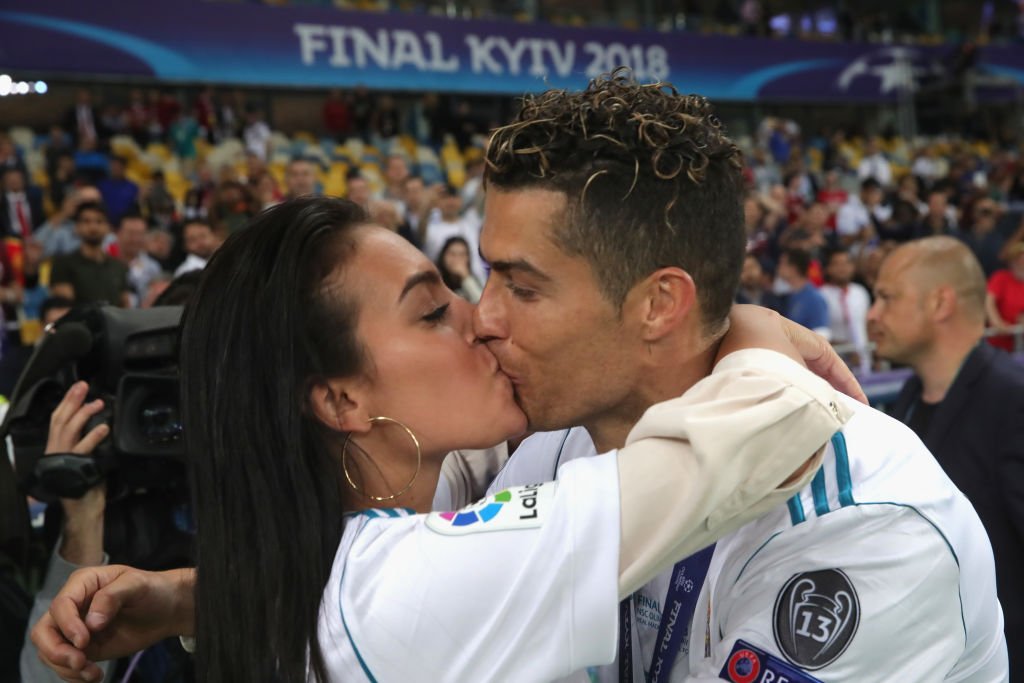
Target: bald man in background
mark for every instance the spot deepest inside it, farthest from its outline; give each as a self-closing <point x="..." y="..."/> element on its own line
<point x="965" y="400"/>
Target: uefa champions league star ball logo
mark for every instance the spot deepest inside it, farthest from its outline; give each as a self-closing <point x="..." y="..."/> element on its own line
<point x="481" y="512"/>
<point x="893" y="68"/>
<point x="744" y="666"/>
<point x="816" y="617"/>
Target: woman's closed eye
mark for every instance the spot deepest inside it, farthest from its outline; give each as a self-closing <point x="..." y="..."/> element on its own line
<point x="437" y="315"/>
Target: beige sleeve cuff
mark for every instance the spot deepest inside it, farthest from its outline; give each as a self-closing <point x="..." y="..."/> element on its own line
<point x="699" y="466"/>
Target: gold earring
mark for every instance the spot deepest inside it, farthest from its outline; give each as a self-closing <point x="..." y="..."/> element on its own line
<point x="419" y="461"/>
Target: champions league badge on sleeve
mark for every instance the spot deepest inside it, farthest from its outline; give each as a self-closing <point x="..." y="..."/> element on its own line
<point x="517" y="507"/>
<point x="816" y="617"/>
<point x="750" y="664"/>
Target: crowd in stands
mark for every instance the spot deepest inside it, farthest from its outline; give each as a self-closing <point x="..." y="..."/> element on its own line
<point x="822" y="213"/>
<point x="117" y="201"/>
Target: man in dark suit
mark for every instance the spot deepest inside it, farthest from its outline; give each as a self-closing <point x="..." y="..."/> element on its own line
<point x="965" y="400"/>
<point x="21" y="205"/>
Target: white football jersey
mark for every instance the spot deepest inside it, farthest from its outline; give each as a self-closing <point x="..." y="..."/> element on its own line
<point x="522" y="586"/>
<point x="880" y="570"/>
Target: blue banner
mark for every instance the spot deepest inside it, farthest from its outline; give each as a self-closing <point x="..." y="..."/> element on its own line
<point x="211" y="42"/>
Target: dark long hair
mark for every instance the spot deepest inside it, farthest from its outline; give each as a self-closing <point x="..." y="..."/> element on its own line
<point x="264" y="324"/>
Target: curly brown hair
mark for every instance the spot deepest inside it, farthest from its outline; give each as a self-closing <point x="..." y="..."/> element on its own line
<point x="651" y="180"/>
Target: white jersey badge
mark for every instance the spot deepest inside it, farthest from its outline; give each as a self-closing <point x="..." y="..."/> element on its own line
<point x="517" y="507"/>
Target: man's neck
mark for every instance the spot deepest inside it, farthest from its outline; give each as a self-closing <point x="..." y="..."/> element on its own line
<point x="92" y="252"/>
<point x="939" y="367"/>
<point x="797" y="283"/>
<point x="670" y="372"/>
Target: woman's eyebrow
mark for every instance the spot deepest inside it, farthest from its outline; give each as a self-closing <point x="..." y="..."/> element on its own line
<point x="428" y="277"/>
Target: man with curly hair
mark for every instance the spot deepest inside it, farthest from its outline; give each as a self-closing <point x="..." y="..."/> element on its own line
<point x="614" y="231"/>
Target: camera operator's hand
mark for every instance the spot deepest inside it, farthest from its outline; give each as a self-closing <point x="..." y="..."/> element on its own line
<point x="126" y="610"/>
<point x="82" y="539"/>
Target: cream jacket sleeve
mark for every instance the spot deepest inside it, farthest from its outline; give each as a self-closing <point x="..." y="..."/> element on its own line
<point x="750" y="425"/>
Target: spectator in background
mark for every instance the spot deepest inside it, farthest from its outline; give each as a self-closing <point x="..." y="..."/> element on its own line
<point x="9" y="157"/>
<point x="796" y="200"/>
<point x="982" y="237"/>
<point x="232" y="206"/>
<point x="805" y="304"/>
<point x="167" y="110"/>
<point x="861" y="216"/>
<point x="300" y="178"/>
<point x="140" y="117"/>
<point x="57" y="235"/>
<point x="266" y="191"/>
<point x="936" y="220"/>
<point x="257" y="133"/>
<point x="63" y="177"/>
<point x="447" y="223"/>
<point x="832" y="195"/>
<point x="848" y="304"/>
<point x="160" y="247"/>
<point x="90" y="275"/>
<point x="361" y="103"/>
<point x="131" y="250"/>
<point x="337" y="116"/>
<point x="927" y="167"/>
<point x="21" y="205"/>
<point x="205" y="113"/>
<point x="386" y="121"/>
<point x="875" y="164"/>
<point x="358" y="191"/>
<point x="396" y="172"/>
<point x="907" y="210"/>
<point x="1004" y="301"/>
<point x="418" y="205"/>
<point x="58" y="143"/>
<point x="200" y="243"/>
<point x="182" y="139"/>
<point x="965" y="400"/>
<point x="120" y="195"/>
<point x="158" y="203"/>
<point x="83" y="121"/>
<point x="200" y="196"/>
<point x="454" y="266"/>
<point x="755" y="286"/>
<point x="472" y="192"/>
<point x="386" y="214"/>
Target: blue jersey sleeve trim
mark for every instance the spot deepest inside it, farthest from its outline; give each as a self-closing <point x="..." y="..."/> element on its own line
<point x="796" y="510"/>
<point x="348" y="632"/>
<point x="843" y="479"/>
<point x="344" y="622"/>
<point x="819" y="493"/>
<point x="920" y="514"/>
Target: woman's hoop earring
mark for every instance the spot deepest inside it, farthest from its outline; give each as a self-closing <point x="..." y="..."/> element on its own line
<point x="419" y="461"/>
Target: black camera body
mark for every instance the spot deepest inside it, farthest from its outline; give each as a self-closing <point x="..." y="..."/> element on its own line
<point x="129" y="359"/>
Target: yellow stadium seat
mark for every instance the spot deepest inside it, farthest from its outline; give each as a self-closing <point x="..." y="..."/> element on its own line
<point x="159" y="150"/>
<point x="176" y="185"/>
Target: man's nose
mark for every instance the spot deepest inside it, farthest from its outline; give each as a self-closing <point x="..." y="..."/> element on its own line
<point x="488" y="318"/>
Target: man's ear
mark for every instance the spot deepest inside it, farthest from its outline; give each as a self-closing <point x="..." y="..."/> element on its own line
<point x="945" y="301"/>
<point x="339" y="405"/>
<point x="663" y="300"/>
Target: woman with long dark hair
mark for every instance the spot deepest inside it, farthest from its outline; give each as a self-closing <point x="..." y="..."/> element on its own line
<point x="327" y="370"/>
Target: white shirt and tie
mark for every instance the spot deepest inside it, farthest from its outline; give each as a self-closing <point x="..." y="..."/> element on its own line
<point x="20" y="214"/>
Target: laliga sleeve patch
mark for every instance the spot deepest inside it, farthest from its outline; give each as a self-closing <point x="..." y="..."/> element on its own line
<point x="749" y="664"/>
<point x="518" y="507"/>
<point x="816" y="617"/>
